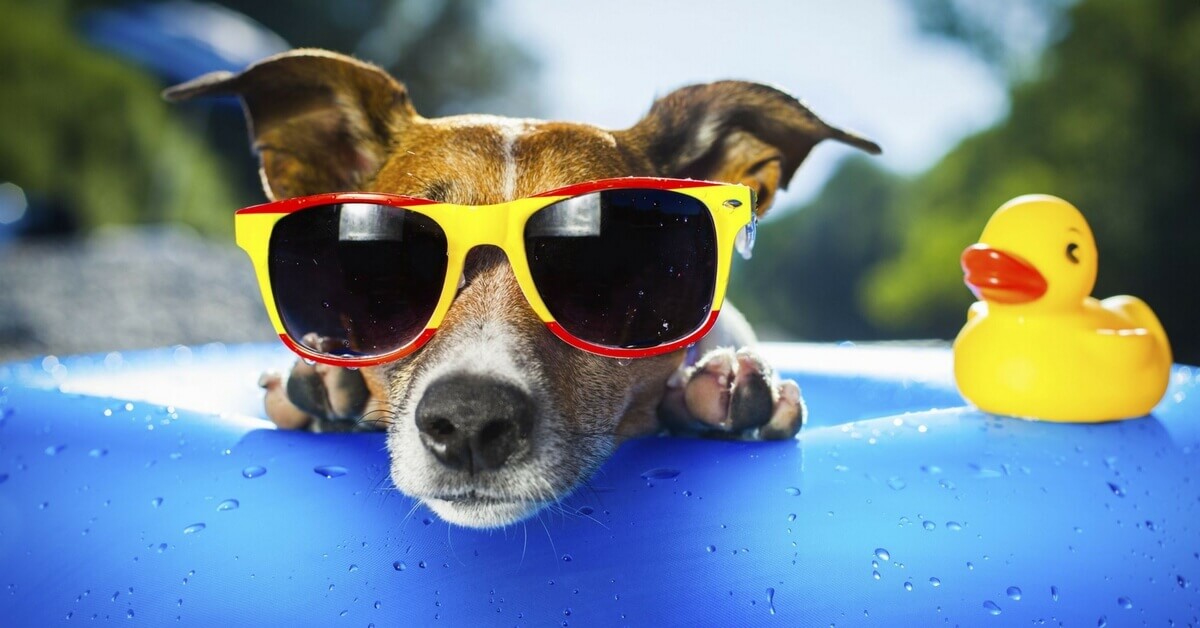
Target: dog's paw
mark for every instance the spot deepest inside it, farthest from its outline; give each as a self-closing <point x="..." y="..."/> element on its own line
<point x="733" y="393"/>
<point x="316" y="396"/>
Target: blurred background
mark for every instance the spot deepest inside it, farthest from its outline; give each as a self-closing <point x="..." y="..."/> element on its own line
<point x="116" y="209"/>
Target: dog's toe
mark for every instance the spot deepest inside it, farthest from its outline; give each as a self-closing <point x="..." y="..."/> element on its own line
<point x="279" y="408"/>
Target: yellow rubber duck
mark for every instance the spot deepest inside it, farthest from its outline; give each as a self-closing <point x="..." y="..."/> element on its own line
<point x="1036" y="345"/>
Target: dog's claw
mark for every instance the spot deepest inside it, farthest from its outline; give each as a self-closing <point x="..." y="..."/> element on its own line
<point x="734" y="394"/>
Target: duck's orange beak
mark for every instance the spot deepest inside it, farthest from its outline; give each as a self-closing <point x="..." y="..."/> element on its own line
<point x="994" y="275"/>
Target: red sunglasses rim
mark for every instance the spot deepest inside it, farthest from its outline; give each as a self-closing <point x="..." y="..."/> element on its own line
<point x="289" y="205"/>
<point x="553" y="326"/>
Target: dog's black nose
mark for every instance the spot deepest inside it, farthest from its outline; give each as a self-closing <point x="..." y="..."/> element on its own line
<point x="472" y="422"/>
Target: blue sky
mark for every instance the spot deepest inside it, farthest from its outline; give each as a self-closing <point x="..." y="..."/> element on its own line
<point x="860" y="64"/>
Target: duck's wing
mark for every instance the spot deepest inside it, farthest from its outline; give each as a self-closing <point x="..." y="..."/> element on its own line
<point x="1139" y="315"/>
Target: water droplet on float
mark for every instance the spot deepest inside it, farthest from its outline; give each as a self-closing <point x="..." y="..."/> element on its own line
<point x="1102" y="622"/>
<point x="399" y="566"/>
<point x="162" y="547"/>
<point x="991" y="607"/>
<point x="194" y="528"/>
<point x="1116" y="490"/>
<point x="953" y="525"/>
<point x="896" y="483"/>
<point x="792" y="517"/>
<point x="1181" y="581"/>
<point x="1054" y="593"/>
<point x="771" y="600"/>
<point x="566" y="558"/>
<point x="660" y="474"/>
<point x="907" y="586"/>
<point x="53" y="450"/>
<point x="1124" y="602"/>
<point x="711" y="548"/>
<point x="253" y="472"/>
<point x="129" y="614"/>
<point x="793" y="491"/>
<point x="98" y="453"/>
<point x="229" y="504"/>
<point x="353" y="568"/>
<point x="875" y="574"/>
<point x="156" y="502"/>
<point x="1014" y="593"/>
<point x="330" y="471"/>
<point x="937" y="582"/>
<point x="882" y="554"/>
<point x="928" y="525"/>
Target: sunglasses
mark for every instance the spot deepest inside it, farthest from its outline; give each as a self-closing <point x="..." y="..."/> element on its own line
<point x="624" y="268"/>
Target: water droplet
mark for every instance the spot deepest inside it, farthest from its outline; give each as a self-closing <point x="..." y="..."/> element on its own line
<point x="1116" y="490"/>
<point x="660" y="474"/>
<point x="1102" y="622"/>
<point x="711" y="548"/>
<point x="1124" y="602"/>
<point x="162" y="547"/>
<point x="935" y="581"/>
<point x="928" y="525"/>
<point x="229" y="504"/>
<point x="54" y="449"/>
<point x="98" y="453"/>
<point x="3" y="477"/>
<point x="566" y="558"/>
<point x="194" y="528"/>
<point x="156" y="502"/>
<point x="970" y="566"/>
<point x="874" y="564"/>
<point x="792" y="490"/>
<point x="1054" y="593"/>
<point x="771" y="600"/>
<point x="792" y="517"/>
<point x="875" y="574"/>
<point x="882" y="554"/>
<point x="353" y="568"/>
<point x="115" y="595"/>
<point x="991" y="607"/>
<point x="1014" y="593"/>
<point x="129" y="614"/>
<point x="586" y="510"/>
<point x="330" y="471"/>
<point x="1181" y="581"/>
<point x="896" y="483"/>
<point x="43" y="505"/>
<point x="325" y="304"/>
<point x="907" y="586"/>
<point x="399" y="566"/>
<point x="253" y="472"/>
<point x="953" y="525"/>
<point x="421" y="564"/>
<point x="624" y="361"/>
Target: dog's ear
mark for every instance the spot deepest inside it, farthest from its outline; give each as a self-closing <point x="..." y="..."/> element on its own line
<point x="319" y="121"/>
<point x="733" y="131"/>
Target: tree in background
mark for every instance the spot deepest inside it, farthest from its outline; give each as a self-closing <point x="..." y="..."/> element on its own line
<point x="82" y="131"/>
<point x="1110" y="120"/>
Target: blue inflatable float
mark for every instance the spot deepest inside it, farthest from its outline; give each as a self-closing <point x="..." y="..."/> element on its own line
<point x="145" y="487"/>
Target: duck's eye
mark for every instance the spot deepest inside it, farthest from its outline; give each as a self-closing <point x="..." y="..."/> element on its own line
<point x="1071" y="248"/>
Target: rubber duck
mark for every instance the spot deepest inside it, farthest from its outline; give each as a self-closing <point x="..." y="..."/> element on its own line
<point x="1036" y="345"/>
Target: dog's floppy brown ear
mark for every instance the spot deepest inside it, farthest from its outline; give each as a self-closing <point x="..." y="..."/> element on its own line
<point x="320" y="121"/>
<point x="734" y="131"/>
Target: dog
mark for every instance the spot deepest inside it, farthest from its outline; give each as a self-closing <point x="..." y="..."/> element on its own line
<point x="323" y="122"/>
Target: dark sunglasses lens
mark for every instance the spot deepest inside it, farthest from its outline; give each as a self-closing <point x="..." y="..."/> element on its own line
<point x="625" y="268"/>
<point x="363" y="279"/>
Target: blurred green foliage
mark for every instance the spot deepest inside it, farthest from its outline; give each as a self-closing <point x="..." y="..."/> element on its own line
<point x="85" y="131"/>
<point x="80" y="129"/>
<point x="1110" y="122"/>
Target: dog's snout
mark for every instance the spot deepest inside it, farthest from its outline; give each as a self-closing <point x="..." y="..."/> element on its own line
<point x="474" y="423"/>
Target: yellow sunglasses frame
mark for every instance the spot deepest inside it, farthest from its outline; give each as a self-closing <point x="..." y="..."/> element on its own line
<point x="502" y="225"/>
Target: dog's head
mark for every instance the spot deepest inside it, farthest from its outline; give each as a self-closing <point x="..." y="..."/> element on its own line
<point x="495" y="416"/>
